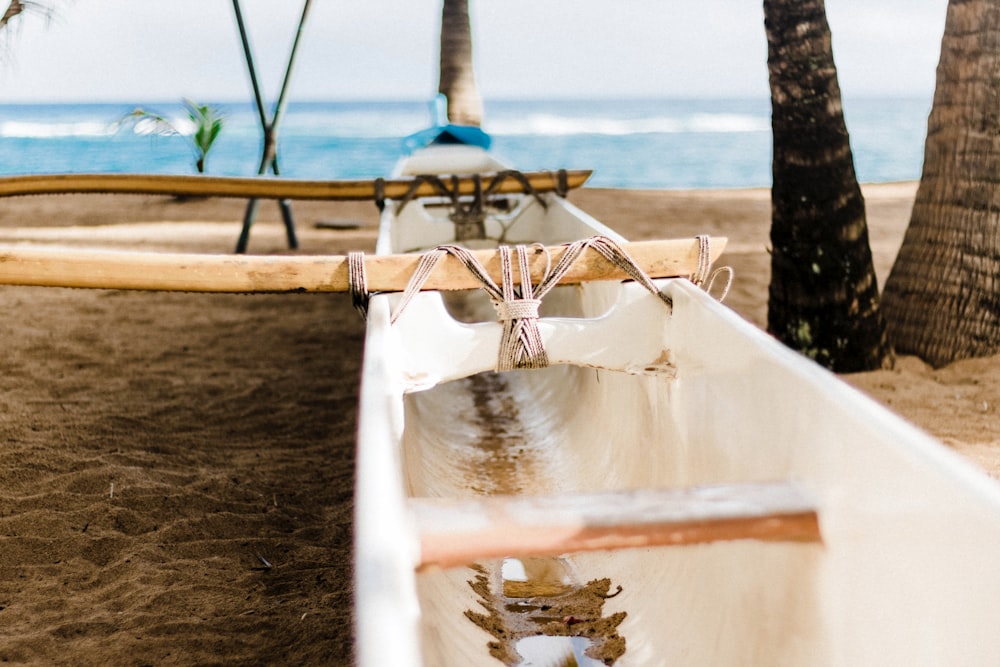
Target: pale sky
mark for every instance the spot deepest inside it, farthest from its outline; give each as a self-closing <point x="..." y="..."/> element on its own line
<point x="141" y="51"/>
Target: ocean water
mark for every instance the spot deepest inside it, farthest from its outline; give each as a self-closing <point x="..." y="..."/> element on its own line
<point x="628" y="143"/>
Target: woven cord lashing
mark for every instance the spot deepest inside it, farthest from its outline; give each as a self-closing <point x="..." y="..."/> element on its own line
<point x="520" y="341"/>
<point x="611" y="251"/>
<point x="357" y="282"/>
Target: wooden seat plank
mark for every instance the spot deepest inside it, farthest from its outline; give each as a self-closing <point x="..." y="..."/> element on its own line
<point x="456" y="532"/>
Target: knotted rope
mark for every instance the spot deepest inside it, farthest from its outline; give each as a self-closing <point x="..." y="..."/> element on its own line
<point x="517" y="310"/>
<point x="521" y="345"/>
<point x="520" y="341"/>
<point x="701" y="273"/>
<point x="469" y="213"/>
<point x="728" y="270"/>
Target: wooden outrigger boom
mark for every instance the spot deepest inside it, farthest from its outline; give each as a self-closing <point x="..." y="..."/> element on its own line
<point x="280" y="188"/>
<point x="243" y="274"/>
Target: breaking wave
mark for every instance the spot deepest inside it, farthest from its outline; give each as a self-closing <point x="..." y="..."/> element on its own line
<point x="20" y="129"/>
<point x="560" y="125"/>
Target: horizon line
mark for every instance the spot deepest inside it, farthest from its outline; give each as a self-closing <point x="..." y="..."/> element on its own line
<point x="426" y="101"/>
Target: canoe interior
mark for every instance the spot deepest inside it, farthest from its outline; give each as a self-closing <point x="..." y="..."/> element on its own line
<point x="906" y="574"/>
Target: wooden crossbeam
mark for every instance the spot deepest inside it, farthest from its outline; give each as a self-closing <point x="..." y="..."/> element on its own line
<point x="264" y="187"/>
<point x="456" y="532"/>
<point x="46" y="267"/>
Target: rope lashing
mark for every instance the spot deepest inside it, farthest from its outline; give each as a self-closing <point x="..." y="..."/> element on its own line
<point x="704" y="261"/>
<point x="433" y="180"/>
<point x="357" y="282"/>
<point x="518" y="176"/>
<point x="562" y="185"/>
<point x="521" y="342"/>
<point x="483" y="193"/>
<point x="379" y="186"/>
<point x="614" y="253"/>
<point x="701" y="276"/>
<point x="470" y="220"/>
<point x="728" y="270"/>
<point x="517" y="310"/>
<point x="469" y="213"/>
<point x="513" y="307"/>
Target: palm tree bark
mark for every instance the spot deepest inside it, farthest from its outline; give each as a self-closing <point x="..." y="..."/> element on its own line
<point x="13" y="9"/>
<point x="17" y="7"/>
<point x="457" y="79"/>
<point x="823" y="296"/>
<point x="942" y="300"/>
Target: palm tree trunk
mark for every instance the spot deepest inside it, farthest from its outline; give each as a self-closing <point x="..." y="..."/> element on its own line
<point x="457" y="78"/>
<point x="823" y="296"/>
<point x="942" y="298"/>
<point x="13" y="9"/>
<point x="17" y="7"/>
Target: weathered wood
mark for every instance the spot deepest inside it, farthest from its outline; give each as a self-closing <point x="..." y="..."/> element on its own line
<point x="262" y="187"/>
<point x="457" y="532"/>
<point x="46" y="267"/>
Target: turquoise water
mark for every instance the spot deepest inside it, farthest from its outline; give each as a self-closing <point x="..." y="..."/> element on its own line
<point x="630" y="143"/>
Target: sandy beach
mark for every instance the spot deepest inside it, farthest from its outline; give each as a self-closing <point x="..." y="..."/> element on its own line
<point x="176" y="469"/>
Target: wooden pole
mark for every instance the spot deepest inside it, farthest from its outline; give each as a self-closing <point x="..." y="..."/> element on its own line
<point x="269" y="154"/>
<point x="247" y="274"/>
<point x="264" y="188"/>
<point x="251" y="68"/>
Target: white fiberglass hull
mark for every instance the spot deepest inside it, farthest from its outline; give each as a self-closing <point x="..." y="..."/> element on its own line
<point x="906" y="573"/>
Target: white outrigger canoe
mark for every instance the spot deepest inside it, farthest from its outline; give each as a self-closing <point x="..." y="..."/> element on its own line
<point x="676" y="488"/>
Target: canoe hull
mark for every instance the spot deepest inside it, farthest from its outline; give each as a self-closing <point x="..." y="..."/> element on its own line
<point x="905" y="575"/>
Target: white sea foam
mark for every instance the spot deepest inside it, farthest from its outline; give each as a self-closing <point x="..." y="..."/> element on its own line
<point x="377" y="123"/>
<point x="20" y="129"/>
<point x="559" y="125"/>
<point x="150" y="126"/>
<point x="727" y="122"/>
<point x="63" y="129"/>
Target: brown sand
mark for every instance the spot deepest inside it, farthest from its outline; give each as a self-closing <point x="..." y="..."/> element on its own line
<point x="176" y="469"/>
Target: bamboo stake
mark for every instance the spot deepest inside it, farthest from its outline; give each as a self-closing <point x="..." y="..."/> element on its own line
<point x="45" y="267"/>
<point x="269" y="154"/>
<point x="455" y="532"/>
